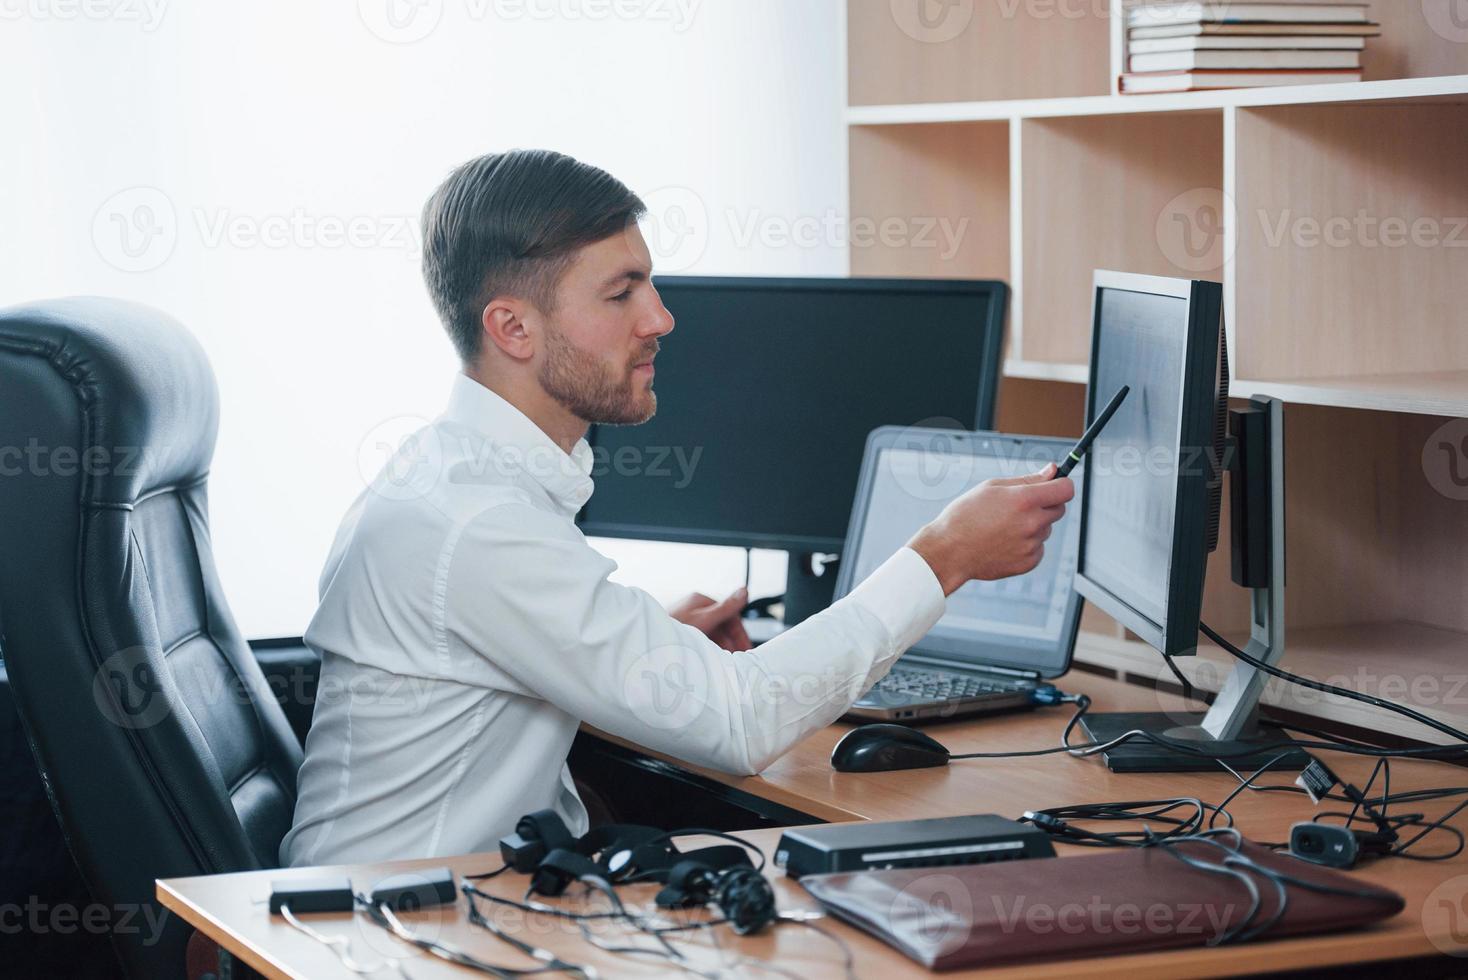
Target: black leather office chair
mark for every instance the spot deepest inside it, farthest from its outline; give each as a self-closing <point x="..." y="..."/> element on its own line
<point x="163" y="751"/>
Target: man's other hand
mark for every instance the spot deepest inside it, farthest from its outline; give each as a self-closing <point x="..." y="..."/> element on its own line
<point x="719" y="621"/>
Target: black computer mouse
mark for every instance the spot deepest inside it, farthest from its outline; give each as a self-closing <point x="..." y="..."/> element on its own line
<point x="883" y="748"/>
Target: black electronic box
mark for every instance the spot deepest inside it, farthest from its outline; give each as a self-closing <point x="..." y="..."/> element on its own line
<point x="862" y="846"/>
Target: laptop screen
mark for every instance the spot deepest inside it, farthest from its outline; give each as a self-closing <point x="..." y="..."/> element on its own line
<point x="1026" y="622"/>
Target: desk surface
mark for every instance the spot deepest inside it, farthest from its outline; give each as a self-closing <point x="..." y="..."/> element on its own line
<point x="231" y="908"/>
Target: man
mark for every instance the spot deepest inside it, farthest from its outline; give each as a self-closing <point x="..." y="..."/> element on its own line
<point x="467" y="629"/>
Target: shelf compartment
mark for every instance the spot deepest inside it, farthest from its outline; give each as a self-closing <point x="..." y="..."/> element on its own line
<point x="945" y="192"/>
<point x="1419" y="39"/>
<point x="898" y="52"/>
<point x="1041" y="408"/>
<point x="1352" y="253"/>
<point x="1104" y="193"/>
<point x="1372" y="534"/>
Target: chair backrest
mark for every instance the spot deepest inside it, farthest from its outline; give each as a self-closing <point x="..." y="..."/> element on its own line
<point x="162" y="749"/>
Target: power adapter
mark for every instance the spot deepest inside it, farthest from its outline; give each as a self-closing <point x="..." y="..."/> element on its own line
<point x="312" y="895"/>
<point x="415" y="890"/>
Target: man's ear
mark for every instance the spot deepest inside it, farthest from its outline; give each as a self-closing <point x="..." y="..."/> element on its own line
<point x="503" y="322"/>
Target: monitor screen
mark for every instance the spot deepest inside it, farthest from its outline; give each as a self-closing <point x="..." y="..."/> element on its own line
<point x="1146" y="522"/>
<point x="1133" y="492"/>
<point x="1025" y="622"/>
<point x="767" y="390"/>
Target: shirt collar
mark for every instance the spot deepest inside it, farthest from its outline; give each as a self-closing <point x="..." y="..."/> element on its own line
<point x="518" y="440"/>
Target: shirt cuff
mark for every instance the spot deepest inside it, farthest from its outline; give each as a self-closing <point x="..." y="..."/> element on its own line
<point x="905" y="596"/>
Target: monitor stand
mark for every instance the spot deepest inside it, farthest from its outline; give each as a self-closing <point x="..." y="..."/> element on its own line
<point x="1231" y="725"/>
<point x="807" y="592"/>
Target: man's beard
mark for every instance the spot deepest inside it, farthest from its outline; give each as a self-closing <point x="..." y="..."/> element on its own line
<point x="588" y="389"/>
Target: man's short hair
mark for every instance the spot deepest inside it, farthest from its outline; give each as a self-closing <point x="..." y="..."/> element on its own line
<point x="510" y="223"/>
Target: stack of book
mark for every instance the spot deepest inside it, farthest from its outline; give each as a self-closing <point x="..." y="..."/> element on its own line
<point x="1190" y="45"/>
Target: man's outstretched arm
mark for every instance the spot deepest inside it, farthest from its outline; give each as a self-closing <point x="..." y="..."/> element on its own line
<point x="526" y="590"/>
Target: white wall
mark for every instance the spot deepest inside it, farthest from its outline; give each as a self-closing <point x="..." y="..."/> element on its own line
<point x="256" y="169"/>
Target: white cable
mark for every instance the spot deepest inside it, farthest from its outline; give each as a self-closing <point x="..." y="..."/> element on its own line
<point x="340" y="945"/>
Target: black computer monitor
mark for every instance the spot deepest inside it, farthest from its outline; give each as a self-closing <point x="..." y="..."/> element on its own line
<point x="1151" y="484"/>
<point x="767" y="390"/>
<point x="1149" y="515"/>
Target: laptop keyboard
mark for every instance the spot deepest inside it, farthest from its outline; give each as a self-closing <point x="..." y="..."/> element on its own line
<point x="941" y="684"/>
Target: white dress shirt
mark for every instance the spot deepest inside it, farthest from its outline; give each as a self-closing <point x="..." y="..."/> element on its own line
<point x="466" y="628"/>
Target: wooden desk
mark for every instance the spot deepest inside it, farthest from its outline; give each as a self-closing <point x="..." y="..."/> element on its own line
<point x="230" y="908"/>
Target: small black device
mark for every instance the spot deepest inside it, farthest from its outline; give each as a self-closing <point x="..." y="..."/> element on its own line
<point x="332" y="894"/>
<point x="414" y="890"/>
<point x="1323" y="843"/>
<point x="885" y="747"/>
<point x="976" y="839"/>
<point x="1083" y="445"/>
<point x="1338" y="845"/>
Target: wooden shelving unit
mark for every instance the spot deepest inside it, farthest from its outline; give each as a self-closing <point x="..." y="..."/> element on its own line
<point x="1335" y="215"/>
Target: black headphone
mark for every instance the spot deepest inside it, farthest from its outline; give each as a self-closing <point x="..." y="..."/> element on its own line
<point x="535" y="835"/>
<point x="544" y="848"/>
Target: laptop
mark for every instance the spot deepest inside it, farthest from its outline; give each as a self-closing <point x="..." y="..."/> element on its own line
<point x="998" y="641"/>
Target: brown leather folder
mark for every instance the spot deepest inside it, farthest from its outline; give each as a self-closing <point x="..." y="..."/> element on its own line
<point x="1125" y="900"/>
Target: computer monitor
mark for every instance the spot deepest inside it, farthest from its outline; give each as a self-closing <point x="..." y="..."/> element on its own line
<point x="767" y="390"/>
<point x="1150" y="513"/>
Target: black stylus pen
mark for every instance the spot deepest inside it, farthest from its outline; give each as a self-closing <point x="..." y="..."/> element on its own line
<point x="1073" y="458"/>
